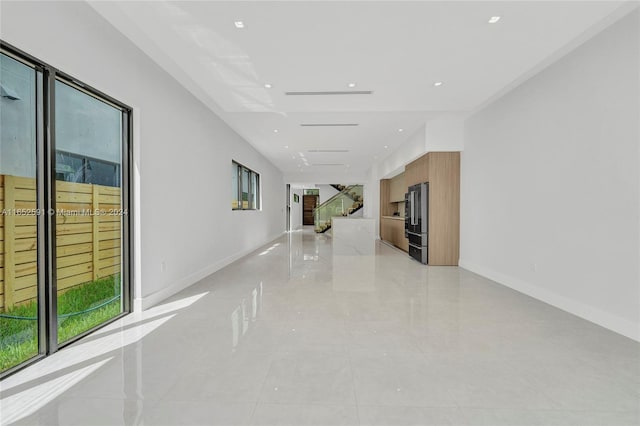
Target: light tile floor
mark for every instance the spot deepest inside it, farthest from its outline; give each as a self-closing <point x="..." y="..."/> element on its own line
<point x="298" y="334"/>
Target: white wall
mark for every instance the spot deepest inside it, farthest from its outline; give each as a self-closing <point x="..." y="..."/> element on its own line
<point x="409" y="150"/>
<point x="445" y="133"/>
<point x="550" y="183"/>
<point x="326" y="192"/>
<point x="296" y="209"/>
<point x="183" y="151"/>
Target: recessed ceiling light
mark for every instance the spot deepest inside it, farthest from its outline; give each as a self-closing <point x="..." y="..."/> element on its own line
<point x="351" y="85"/>
<point x="239" y="24"/>
<point x="286" y="147"/>
<point x="494" y="19"/>
<point x="275" y="130"/>
<point x="401" y="130"/>
<point x="437" y="83"/>
<point x="268" y="85"/>
<point x="385" y="147"/>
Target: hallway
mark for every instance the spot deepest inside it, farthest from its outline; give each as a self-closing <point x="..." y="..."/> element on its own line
<point x="298" y="333"/>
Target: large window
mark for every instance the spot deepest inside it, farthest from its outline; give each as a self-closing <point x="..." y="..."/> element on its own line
<point x="245" y="188"/>
<point x="64" y="209"/>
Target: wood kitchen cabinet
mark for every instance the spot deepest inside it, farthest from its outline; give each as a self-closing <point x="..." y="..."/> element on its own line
<point x="397" y="188"/>
<point x="392" y="231"/>
<point x="417" y="171"/>
<point x="442" y="171"/>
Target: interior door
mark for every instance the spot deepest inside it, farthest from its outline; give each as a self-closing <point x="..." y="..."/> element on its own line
<point x="309" y="202"/>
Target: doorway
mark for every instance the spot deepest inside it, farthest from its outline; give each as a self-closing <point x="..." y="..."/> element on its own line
<point x="309" y="203"/>
<point x="288" y="219"/>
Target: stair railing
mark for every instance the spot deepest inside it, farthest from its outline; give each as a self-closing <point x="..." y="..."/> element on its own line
<point x="344" y="203"/>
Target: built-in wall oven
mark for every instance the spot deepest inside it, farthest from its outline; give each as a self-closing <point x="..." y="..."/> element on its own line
<point x="416" y="221"/>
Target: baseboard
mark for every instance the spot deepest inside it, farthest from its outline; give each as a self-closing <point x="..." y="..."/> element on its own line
<point x="589" y="313"/>
<point x="150" y="300"/>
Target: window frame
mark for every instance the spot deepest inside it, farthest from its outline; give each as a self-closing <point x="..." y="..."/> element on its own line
<point x="253" y="191"/>
<point x="46" y="200"/>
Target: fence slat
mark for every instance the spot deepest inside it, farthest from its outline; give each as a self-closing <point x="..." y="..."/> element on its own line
<point x="26" y="256"/>
<point x="25" y="244"/>
<point x="25" y="282"/>
<point x="109" y="226"/>
<point x="24" y="183"/>
<point x="73" y="197"/>
<point x="25" y="269"/>
<point x="74" y="270"/>
<point x="73" y="249"/>
<point x="109" y="262"/>
<point x="110" y="252"/>
<point x="31" y="220"/>
<point x="66" y="240"/>
<point x="73" y="228"/>
<point x="69" y="219"/>
<point x="24" y="295"/>
<point x="105" y="244"/>
<point x="115" y="269"/>
<point x="62" y="186"/>
<point x="24" y="194"/>
<point x="75" y="259"/>
<point x="21" y="232"/>
<point x="109" y="235"/>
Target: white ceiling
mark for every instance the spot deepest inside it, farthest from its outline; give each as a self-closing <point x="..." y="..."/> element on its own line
<point x="395" y="49"/>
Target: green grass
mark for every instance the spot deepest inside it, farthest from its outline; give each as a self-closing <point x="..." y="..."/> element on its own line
<point x="19" y="338"/>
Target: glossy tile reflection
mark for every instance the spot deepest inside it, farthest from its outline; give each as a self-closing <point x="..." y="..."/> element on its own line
<point x="304" y="333"/>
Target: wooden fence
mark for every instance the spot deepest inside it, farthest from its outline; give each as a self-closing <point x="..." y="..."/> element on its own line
<point x="87" y="245"/>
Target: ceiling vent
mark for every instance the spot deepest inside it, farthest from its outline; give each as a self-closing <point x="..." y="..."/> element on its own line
<point x="328" y="150"/>
<point x="329" y="124"/>
<point x="341" y="92"/>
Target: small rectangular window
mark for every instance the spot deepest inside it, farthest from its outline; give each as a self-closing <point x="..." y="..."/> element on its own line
<point x="234" y="186"/>
<point x="254" y="190"/>
<point x="245" y="188"/>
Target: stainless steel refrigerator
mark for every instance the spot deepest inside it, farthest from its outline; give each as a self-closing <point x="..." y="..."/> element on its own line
<point x="416" y="221"/>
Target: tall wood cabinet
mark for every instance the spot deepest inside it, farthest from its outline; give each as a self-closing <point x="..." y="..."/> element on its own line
<point x="442" y="171"/>
<point x="392" y="227"/>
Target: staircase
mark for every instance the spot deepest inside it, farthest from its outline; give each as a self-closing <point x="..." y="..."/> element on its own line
<point x="346" y="202"/>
